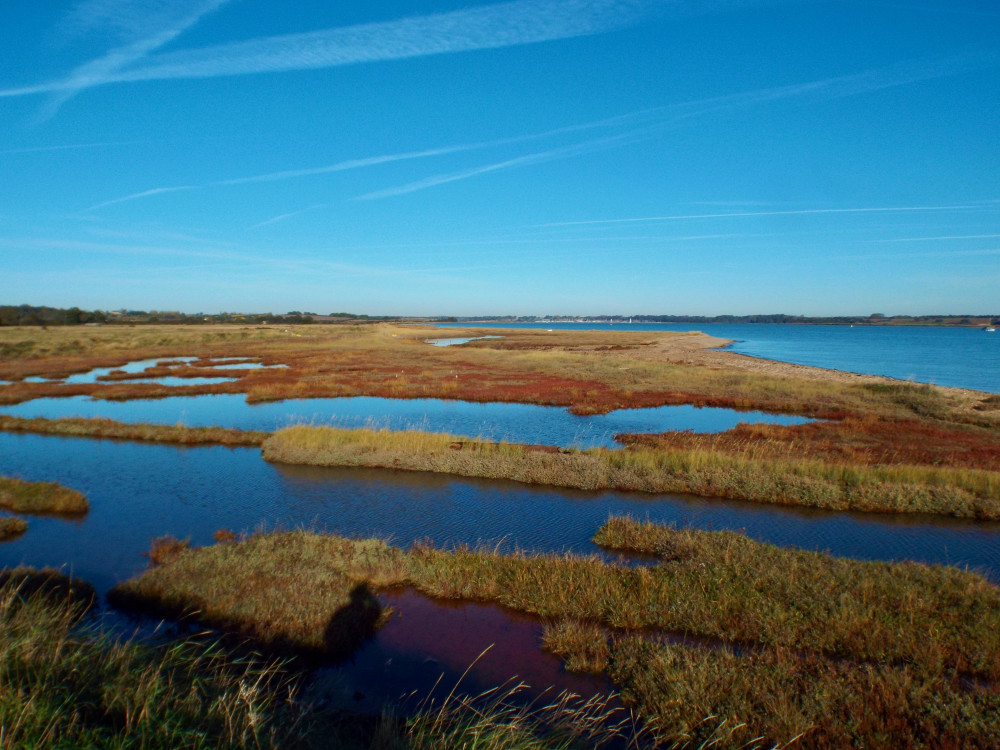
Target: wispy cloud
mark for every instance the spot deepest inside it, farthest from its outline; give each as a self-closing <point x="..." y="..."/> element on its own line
<point x="371" y="161"/>
<point x="143" y="194"/>
<point x="282" y="217"/>
<point x="562" y="152"/>
<point x="65" y="147"/>
<point x="742" y="214"/>
<point x="854" y="84"/>
<point x="149" y="25"/>
<point x="943" y="238"/>
<point x="634" y="126"/>
<point x="658" y="119"/>
<point x="487" y="27"/>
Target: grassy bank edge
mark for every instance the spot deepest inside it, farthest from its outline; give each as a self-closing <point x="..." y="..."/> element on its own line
<point x="964" y="493"/>
<point x="147" y="433"/>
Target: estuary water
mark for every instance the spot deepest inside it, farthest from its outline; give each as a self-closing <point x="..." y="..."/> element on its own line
<point x="959" y="357"/>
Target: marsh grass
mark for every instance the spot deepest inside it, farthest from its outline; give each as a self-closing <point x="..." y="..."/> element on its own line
<point x="779" y="697"/>
<point x="853" y="441"/>
<point x="501" y="719"/>
<point x="148" y="433"/>
<point x="43" y="498"/>
<point x="287" y="591"/>
<point x="968" y="493"/>
<point x="12" y="528"/>
<point x="302" y="589"/>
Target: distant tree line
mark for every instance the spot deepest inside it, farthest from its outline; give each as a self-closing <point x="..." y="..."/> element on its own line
<point x="30" y="315"/>
<point x="26" y="315"/>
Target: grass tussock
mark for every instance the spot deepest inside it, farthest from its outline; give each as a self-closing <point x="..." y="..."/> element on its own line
<point x="40" y="498"/>
<point x="967" y="493"/>
<point x="12" y="528"/>
<point x="296" y="591"/>
<point x="292" y="588"/>
<point x="147" y="433"/>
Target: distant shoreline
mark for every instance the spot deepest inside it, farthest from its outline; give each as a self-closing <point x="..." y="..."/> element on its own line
<point x="973" y="322"/>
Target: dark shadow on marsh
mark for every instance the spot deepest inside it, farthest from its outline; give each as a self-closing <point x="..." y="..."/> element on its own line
<point x="49" y="584"/>
<point x="353" y="624"/>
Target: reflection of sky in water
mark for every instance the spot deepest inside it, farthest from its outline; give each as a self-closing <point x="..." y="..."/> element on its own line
<point x="176" y="364"/>
<point x="519" y="423"/>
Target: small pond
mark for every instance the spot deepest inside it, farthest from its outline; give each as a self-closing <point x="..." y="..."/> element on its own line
<point x="518" y="423"/>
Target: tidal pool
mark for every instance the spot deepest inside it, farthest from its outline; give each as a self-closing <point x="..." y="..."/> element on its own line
<point x="457" y="341"/>
<point x="99" y="374"/>
<point x="518" y="423"/>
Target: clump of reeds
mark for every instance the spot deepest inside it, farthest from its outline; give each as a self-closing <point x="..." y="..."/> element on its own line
<point x="65" y="685"/>
<point x="107" y="428"/>
<point x="583" y="646"/>
<point x="499" y="719"/>
<point x="808" y="482"/>
<point x="20" y="496"/>
<point x="12" y="527"/>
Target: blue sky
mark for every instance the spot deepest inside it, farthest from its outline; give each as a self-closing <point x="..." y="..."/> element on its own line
<point x="522" y="157"/>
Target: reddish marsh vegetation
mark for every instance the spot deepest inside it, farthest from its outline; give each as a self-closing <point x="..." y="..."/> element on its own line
<point x="868" y="441"/>
<point x="588" y="371"/>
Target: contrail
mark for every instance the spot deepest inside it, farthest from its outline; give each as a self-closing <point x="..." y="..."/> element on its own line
<point x="799" y="212"/>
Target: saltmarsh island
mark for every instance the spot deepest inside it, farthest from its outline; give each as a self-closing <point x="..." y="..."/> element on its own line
<point x="706" y="635"/>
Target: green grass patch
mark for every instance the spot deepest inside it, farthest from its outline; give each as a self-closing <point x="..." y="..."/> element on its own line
<point x="966" y="493"/>
<point x="20" y="496"/>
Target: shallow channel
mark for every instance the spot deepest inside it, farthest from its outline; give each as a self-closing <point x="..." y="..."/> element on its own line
<point x="519" y="423"/>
